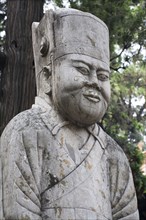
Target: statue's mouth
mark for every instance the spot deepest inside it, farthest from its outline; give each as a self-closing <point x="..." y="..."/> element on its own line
<point x="92" y="95"/>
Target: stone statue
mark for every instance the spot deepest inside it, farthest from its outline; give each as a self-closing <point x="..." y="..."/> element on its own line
<point x="56" y="161"/>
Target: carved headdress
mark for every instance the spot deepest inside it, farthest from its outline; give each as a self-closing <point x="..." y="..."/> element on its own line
<point x="69" y="31"/>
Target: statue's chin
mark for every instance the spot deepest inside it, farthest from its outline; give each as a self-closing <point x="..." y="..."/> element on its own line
<point x="82" y="121"/>
<point x="85" y="123"/>
<point x="81" y="124"/>
<point x="80" y="113"/>
<point x="85" y="118"/>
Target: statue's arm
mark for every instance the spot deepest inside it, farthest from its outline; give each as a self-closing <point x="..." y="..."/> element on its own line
<point x="124" y="203"/>
<point x="123" y="195"/>
<point x="20" y="176"/>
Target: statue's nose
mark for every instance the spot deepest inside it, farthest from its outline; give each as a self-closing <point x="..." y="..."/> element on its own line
<point x="94" y="80"/>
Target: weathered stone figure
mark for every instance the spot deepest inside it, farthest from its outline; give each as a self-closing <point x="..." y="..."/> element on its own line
<point x="56" y="162"/>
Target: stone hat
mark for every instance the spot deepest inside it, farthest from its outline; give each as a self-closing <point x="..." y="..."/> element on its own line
<point x="69" y="31"/>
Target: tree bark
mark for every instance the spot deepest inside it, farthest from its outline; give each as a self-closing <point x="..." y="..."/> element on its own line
<point x="18" y="78"/>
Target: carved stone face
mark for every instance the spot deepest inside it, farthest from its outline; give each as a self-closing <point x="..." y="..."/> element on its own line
<point x="81" y="88"/>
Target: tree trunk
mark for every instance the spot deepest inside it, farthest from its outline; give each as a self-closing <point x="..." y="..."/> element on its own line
<point x="18" y="78"/>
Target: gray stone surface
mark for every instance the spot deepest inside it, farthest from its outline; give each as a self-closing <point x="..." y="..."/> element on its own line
<point x="56" y="161"/>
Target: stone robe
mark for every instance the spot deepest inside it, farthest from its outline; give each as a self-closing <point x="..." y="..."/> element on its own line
<point x="51" y="169"/>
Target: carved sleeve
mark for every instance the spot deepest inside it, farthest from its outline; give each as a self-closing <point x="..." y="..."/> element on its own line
<point x="21" y="170"/>
<point x="123" y="196"/>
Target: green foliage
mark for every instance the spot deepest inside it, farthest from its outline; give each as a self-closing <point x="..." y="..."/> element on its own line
<point x="59" y="3"/>
<point x="136" y="157"/>
<point x="2" y="22"/>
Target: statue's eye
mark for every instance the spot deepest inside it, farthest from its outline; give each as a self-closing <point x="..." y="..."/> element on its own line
<point x="102" y="77"/>
<point x="83" y="70"/>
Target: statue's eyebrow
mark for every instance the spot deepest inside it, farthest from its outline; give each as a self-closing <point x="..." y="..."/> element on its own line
<point x="91" y="65"/>
<point x="81" y="61"/>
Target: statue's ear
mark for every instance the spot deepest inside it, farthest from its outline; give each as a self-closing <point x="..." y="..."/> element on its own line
<point x="43" y="40"/>
<point x="47" y="80"/>
<point x="43" y="45"/>
<point x="40" y="50"/>
<point x="35" y="41"/>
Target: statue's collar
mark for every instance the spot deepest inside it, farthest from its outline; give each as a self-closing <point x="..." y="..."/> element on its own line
<point x="49" y="115"/>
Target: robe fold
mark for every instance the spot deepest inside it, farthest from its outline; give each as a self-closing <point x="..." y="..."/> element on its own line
<point x="51" y="169"/>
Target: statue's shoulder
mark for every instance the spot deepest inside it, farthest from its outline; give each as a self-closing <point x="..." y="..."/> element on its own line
<point x="114" y="151"/>
<point x="25" y="120"/>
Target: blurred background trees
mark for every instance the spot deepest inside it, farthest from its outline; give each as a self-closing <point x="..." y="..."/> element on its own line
<point x="125" y="120"/>
<point x="17" y="78"/>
